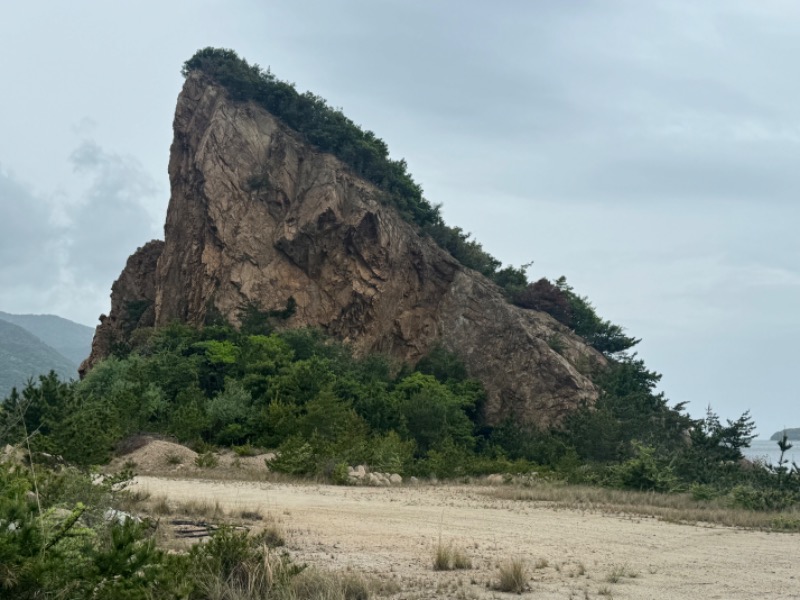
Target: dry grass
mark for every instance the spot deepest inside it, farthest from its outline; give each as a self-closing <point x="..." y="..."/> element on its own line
<point x="512" y="576"/>
<point x="315" y="584"/>
<point x="675" y="508"/>
<point x="272" y="533"/>
<point x="160" y="506"/>
<point x="461" y="559"/>
<point x="619" y="572"/>
<point x="199" y="508"/>
<point x="173" y="458"/>
<point x="447" y="557"/>
<point x="250" y="515"/>
<point x="442" y="557"/>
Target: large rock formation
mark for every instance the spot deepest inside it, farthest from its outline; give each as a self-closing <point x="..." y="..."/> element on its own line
<point x="258" y="216"/>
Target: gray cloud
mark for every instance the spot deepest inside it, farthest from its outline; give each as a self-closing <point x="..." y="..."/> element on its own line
<point x="111" y="214"/>
<point x="29" y="242"/>
<point x="64" y="252"/>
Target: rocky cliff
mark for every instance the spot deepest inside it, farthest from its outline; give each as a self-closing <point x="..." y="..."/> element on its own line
<point x="258" y="216"/>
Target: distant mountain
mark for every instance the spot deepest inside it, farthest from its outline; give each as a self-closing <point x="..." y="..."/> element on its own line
<point x="23" y="355"/>
<point x="791" y="434"/>
<point x="72" y="340"/>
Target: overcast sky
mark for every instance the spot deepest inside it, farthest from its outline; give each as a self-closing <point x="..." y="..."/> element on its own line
<point x="649" y="151"/>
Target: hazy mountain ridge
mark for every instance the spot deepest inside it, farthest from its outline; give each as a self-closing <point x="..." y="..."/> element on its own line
<point x="70" y="339"/>
<point x="23" y="355"/>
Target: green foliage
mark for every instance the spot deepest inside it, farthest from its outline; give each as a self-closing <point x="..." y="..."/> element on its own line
<point x="443" y="365"/>
<point x="303" y="394"/>
<point x="629" y="408"/>
<point x="755" y="498"/>
<point x="206" y="460"/>
<point x="602" y="335"/>
<point x="539" y="447"/>
<point x="644" y="472"/>
<point x="431" y="413"/>
<point x="546" y="297"/>
<point x="389" y="453"/>
<point x="51" y="548"/>
<point x="133" y="313"/>
<point x="54" y="547"/>
<point x="295" y="457"/>
<point x="713" y="452"/>
<point x="227" y="413"/>
<point x="255" y="321"/>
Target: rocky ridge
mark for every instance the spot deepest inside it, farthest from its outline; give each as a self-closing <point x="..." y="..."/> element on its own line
<point x="258" y="216"/>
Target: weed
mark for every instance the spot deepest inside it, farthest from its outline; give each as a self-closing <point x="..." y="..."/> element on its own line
<point x="173" y="458"/>
<point x="442" y="557"/>
<point x="161" y="506"/>
<point x="313" y="584"/>
<point x="449" y="558"/>
<point x="273" y="534"/>
<point x="542" y="563"/>
<point x="250" y="515"/>
<point x="245" y="450"/>
<point x="512" y="576"/>
<point x="197" y="508"/>
<point x="604" y="591"/>
<point x="206" y="460"/>
<point x="618" y="572"/>
<point x="461" y="560"/>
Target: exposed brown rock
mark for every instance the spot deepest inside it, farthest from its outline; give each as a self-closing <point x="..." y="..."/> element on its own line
<point x="257" y="215"/>
<point x="133" y="297"/>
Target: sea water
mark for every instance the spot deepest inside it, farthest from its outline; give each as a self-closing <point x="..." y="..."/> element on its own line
<point x="768" y="451"/>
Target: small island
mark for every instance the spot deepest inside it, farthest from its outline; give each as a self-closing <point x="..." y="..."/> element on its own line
<point x="792" y="434"/>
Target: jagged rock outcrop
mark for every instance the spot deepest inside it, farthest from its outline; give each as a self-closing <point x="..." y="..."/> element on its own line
<point x="258" y="216"/>
<point x="133" y="297"/>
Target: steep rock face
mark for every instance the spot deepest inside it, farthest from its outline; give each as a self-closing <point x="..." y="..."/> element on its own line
<point x="133" y="297"/>
<point x="257" y="216"/>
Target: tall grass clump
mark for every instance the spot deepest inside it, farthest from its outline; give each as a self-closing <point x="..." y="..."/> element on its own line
<point x="315" y="584"/>
<point x="512" y="576"/>
<point x="447" y="557"/>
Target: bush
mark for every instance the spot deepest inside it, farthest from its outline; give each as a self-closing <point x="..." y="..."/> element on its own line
<point x="546" y="297"/>
<point x="745" y="496"/>
<point x="702" y="492"/>
<point x="339" y="474"/>
<point x="294" y="457"/>
<point x="61" y="552"/>
<point x="206" y="460"/>
<point x="644" y="472"/>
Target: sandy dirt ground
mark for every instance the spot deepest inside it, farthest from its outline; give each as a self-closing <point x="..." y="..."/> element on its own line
<point x="391" y="533"/>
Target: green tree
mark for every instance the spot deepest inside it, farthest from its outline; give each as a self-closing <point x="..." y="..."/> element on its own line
<point x="432" y="413"/>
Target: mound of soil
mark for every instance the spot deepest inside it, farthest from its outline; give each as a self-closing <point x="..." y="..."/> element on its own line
<point x="150" y="455"/>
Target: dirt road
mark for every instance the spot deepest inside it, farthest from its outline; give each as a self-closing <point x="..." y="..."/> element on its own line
<point x="391" y="533"/>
